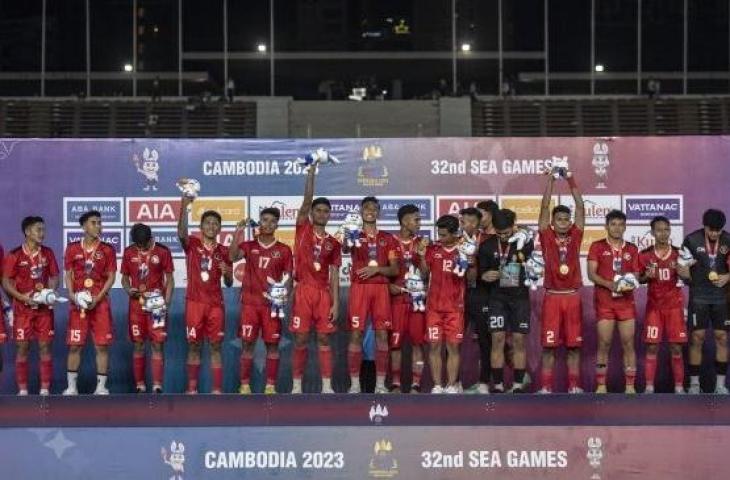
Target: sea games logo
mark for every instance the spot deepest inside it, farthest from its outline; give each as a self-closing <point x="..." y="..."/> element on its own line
<point x="642" y="208"/>
<point x="373" y="173"/>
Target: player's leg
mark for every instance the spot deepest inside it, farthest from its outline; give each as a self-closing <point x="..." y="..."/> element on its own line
<point x="698" y="323"/>
<point x="496" y="323"/>
<point x="324" y="353"/>
<point x="136" y="332"/>
<point x="653" y="334"/>
<point x="271" y="334"/>
<point x="43" y="327"/>
<point x="299" y="326"/>
<point x="627" y="331"/>
<point x="76" y="333"/>
<point x="100" y="323"/>
<point x="379" y="306"/>
<point x="572" y="317"/>
<point x="550" y="338"/>
<point x="399" y="314"/>
<point x="214" y="322"/>
<point x="547" y="369"/>
<point x="453" y="329"/>
<point x="138" y="366"/>
<point x="417" y="335"/>
<point x="249" y="332"/>
<point x="605" y="335"/>
<point x="194" y="333"/>
<point x="21" y="364"/>
<point x="158" y="365"/>
<point x="720" y="326"/>
<point x="676" y="328"/>
<point x="357" y="315"/>
<point x="519" y="325"/>
<point x="216" y="367"/>
<point x="434" y="335"/>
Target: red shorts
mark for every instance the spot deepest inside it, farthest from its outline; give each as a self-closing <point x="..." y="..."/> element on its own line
<point x="561" y="320"/>
<point x="311" y="305"/>
<point x="406" y="324"/>
<point x="203" y="320"/>
<point x="33" y="324"/>
<point x="255" y="318"/>
<point x="140" y="325"/>
<point x="99" y="320"/>
<point x="447" y="326"/>
<point x="369" y="299"/>
<point x="670" y="320"/>
<point x="619" y="309"/>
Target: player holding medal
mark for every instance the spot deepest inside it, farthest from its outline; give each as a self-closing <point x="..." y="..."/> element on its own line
<point x="90" y="266"/>
<point x="707" y="279"/>
<point x="207" y="263"/>
<point x="561" y="308"/>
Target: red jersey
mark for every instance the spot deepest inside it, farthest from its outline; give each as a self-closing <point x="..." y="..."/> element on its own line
<point x="663" y="290"/>
<point x="262" y="261"/>
<point x="148" y="267"/>
<point x="557" y="251"/>
<point x="96" y="264"/>
<point x="408" y="256"/>
<point x="382" y="246"/>
<point x="612" y="262"/>
<point x="445" y="288"/>
<point x="310" y="248"/>
<point x="204" y="271"/>
<point x="30" y="272"/>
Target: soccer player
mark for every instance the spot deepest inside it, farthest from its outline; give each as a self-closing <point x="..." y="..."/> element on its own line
<point x="500" y="267"/>
<point x="407" y="323"/>
<point x="373" y="264"/>
<point x="207" y="263"/>
<point x="488" y="208"/>
<point x="665" y="303"/>
<point x="317" y="290"/>
<point x="146" y="268"/>
<point x="707" y="278"/>
<point x="444" y="304"/>
<point x="266" y="259"/>
<point x="28" y="269"/>
<point x="607" y="258"/>
<point x="561" y="318"/>
<point x="91" y="266"/>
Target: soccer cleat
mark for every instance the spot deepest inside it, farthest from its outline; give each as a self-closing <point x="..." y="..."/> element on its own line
<point x="244" y="389"/>
<point x="601" y="389"/>
<point x="415" y="388"/>
<point x="23" y="393"/>
<point x="649" y="389"/>
<point x="575" y="391"/>
<point x="296" y="387"/>
<point x="394" y="389"/>
<point x="544" y="391"/>
<point x="517" y="388"/>
<point x="437" y="389"/>
<point x="381" y="390"/>
<point x="679" y="389"/>
<point x="482" y="388"/>
<point x="270" y="390"/>
<point x="498" y="388"/>
<point x="141" y="388"/>
<point x="694" y="390"/>
<point x="44" y="392"/>
<point x="326" y="389"/>
<point x="101" y="390"/>
<point x="721" y="390"/>
<point x="354" y="388"/>
<point x="630" y="390"/>
<point x="191" y="392"/>
<point x="70" y="391"/>
<point x="452" y="389"/>
<point x="215" y="392"/>
<point x="157" y="388"/>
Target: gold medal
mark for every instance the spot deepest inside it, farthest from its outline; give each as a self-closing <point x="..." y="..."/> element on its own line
<point x="317" y="266"/>
<point x="39" y="286"/>
<point x="713" y="276"/>
<point x="88" y="283"/>
<point x="373" y="263"/>
<point x="564" y="269"/>
<point x="204" y="276"/>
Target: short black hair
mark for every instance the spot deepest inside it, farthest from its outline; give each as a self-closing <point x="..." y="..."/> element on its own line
<point x="321" y="201"/>
<point x="211" y="213"/>
<point x="657" y="219"/>
<point x="489" y="206"/>
<point x="714" y="219"/>
<point x="91" y="213"/>
<point x="406" y="209"/>
<point x="140" y="234"/>
<point x="270" y="211"/>
<point x="370" y="199"/>
<point x="503" y="219"/>
<point x="449" y="222"/>
<point x="615" y="215"/>
<point x="30" y="221"/>
<point x="471" y="211"/>
<point x="561" y="209"/>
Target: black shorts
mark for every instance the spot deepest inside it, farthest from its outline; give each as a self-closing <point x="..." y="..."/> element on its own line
<point x="702" y="315"/>
<point x="475" y="310"/>
<point x="509" y="314"/>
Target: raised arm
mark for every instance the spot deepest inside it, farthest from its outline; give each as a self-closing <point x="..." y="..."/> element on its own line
<point x="544" y="221"/>
<point x="182" y="222"/>
<point x="580" y="215"/>
<point x="306" y="208"/>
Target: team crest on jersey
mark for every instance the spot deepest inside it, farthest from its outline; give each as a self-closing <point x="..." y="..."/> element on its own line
<point x="723" y="250"/>
<point x="275" y="254"/>
<point x="437" y="255"/>
<point x="148" y="167"/>
<point x="627" y="256"/>
<point x="155" y="259"/>
<point x="328" y="246"/>
<point x="381" y="242"/>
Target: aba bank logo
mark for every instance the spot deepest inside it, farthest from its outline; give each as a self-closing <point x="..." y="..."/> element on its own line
<point x="596" y="207"/>
<point x="175" y="459"/>
<point x="148" y="166"/>
<point x="111" y="209"/>
<point x="372" y="173"/>
<point x="642" y="208"/>
<point x="165" y="236"/>
<point x="288" y="207"/>
<point x="389" y="207"/>
<point x="451" y="205"/>
<point x="153" y="211"/>
<point x="112" y="236"/>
